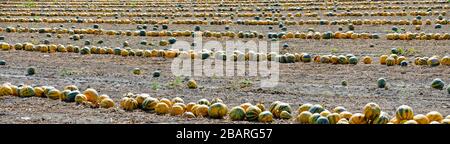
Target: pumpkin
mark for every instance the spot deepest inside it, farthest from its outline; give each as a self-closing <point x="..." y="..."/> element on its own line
<point x="216" y="100"/>
<point x="390" y="61"/>
<point x="343" y="121"/>
<point x="102" y="97"/>
<point x="303" y="117"/>
<point x="371" y="111"/>
<point x="5" y="90"/>
<point x="176" y="110"/>
<point x="304" y="107"/>
<point x="64" y="95"/>
<point x="188" y="115"/>
<point x="265" y="117"/>
<point x="54" y="94"/>
<point x="201" y="110"/>
<point x="70" y="97"/>
<point x="136" y="71"/>
<point x="280" y="108"/>
<point x="316" y="109"/>
<point x="252" y="113"/>
<point x="237" y="113"/>
<point x="367" y="60"/>
<point x="91" y="95"/>
<point x="445" y="60"/>
<point x="434" y="122"/>
<point x="306" y="57"/>
<point x="80" y="98"/>
<point x="342" y="59"/>
<point x="433" y="61"/>
<point x="285" y="115"/>
<point x="446" y="121"/>
<point x="437" y="84"/>
<point x="189" y="106"/>
<point x="167" y="101"/>
<point x="203" y="102"/>
<point x="139" y="98"/>
<point x="404" y="112"/>
<point x="383" y="59"/>
<point x="381" y="119"/>
<point x="261" y="106"/>
<point x="149" y="103"/>
<point x="272" y="106"/>
<point x="15" y="90"/>
<point x="192" y="84"/>
<point x="333" y="118"/>
<point x="128" y="104"/>
<point x="448" y="89"/>
<point x="313" y="118"/>
<point x="357" y="118"/>
<point x="353" y="60"/>
<point x="107" y="103"/>
<point x="400" y="59"/>
<point x="421" y="119"/>
<point x="334" y="59"/>
<point x="2" y="62"/>
<point x="39" y="92"/>
<point x="71" y="87"/>
<point x="322" y="120"/>
<point x="217" y="110"/>
<point x="31" y="71"/>
<point x="161" y="108"/>
<point x="435" y="116"/>
<point x="381" y="83"/>
<point x="410" y="122"/>
<point x="177" y="100"/>
<point x="339" y="109"/>
<point x="325" y="113"/>
<point x="26" y="91"/>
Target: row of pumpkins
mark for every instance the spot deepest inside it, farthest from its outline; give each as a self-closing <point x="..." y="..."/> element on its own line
<point x="388" y="60"/>
<point x="217" y="109"/>
<point x="418" y="36"/>
<point x="229" y="22"/>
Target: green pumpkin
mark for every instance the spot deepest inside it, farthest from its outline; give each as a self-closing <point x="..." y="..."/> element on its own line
<point x="117" y="51"/>
<point x="353" y="60"/>
<point x="306" y="57"/>
<point x="203" y="102"/>
<point x="322" y="120"/>
<point x="237" y="113"/>
<point x="265" y="117"/>
<point x="285" y="115"/>
<point x="149" y="103"/>
<point x="342" y="59"/>
<point x="381" y="119"/>
<point x="85" y="51"/>
<point x="71" y="96"/>
<point x="290" y="58"/>
<point x="316" y="109"/>
<point x="282" y="107"/>
<point x="381" y="83"/>
<point x="313" y="118"/>
<point x="205" y="55"/>
<point x="273" y="105"/>
<point x="26" y="91"/>
<point x="217" y="110"/>
<point x="437" y="84"/>
<point x="252" y="113"/>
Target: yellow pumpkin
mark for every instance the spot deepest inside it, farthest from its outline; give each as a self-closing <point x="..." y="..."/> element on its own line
<point x="421" y="119"/>
<point x="435" y="116"/>
<point x="107" y="103"/>
<point x="176" y="110"/>
<point x="39" y="92"/>
<point x="357" y="118"/>
<point x="54" y="94"/>
<point x="91" y="95"/>
<point x="80" y="98"/>
<point x="161" y="108"/>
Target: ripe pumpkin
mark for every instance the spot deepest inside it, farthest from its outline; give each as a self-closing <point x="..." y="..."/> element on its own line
<point x="91" y="95"/>
<point x="201" y="111"/>
<point x="245" y="106"/>
<point x="80" y="98"/>
<point x="5" y="90"/>
<point x="149" y="103"/>
<point x="139" y="98"/>
<point x="357" y="118"/>
<point x="265" y="117"/>
<point x="237" y="113"/>
<point x="437" y="84"/>
<point x="435" y="116"/>
<point x="217" y="110"/>
<point x="26" y="91"/>
<point x="433" y="61"/>
<point x="404" y="112"/>
<point x="188" y="115"/>
<point x="333" y="118"/>
<point x="189" y="106"/>
<point x="282" y="107"/>
<point x="390" y="61"/>
<point x="371" y="111"/>
<point x="383" y="59"/>
<point x="316" y="109"/>
<point x="343" y="121"/>
<point x="192" y="84"/>
<point x="325" y="113"/>
<point x="367" y="60"/>
<point x="303" y="117"/>
<point x="421" y="119"/>
<point x="54" y="94"/>
<point x="102" y="97"/>
<point x="107" y="103"/>
<point x="177" y="100"/>
<point x="128" y="104"/>
<point x="15" y="90"/>
<point x="252" y="113"/>
<point x="304" y="107"/>
<point x="176" y="110"/>
<point x="285" y="115"/>
<point x="161" y="108"/>
<point x="64" y="95"/>
<point x="39" y="92"/>
<point x="167" y="101"/>
<point x="203" y="102"/>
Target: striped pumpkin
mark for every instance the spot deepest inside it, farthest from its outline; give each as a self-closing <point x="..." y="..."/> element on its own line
<point x="433" y="61"/>
<point x="313" y="118"/>
<point x="437" y="84"/>
<point x="54" y="94"/>
<point x="72" y="95"/>
<point x="139" y="98"/>
<point x="129" y="104"/>
<point x="188" y="115"/>
<point x="303" y="117"/>
<point x="383" y="118"/>
<point x="26" y="91"/>
<point x="265" y="117"/>
<point x="285" y="115"/>
<point x="201" y="111"/>
<point x="217" y="110"/>
<point x="149" y="103"/>
<point x="390" y="61"/>
<point x="325" y="113"/>
<point x="167" y="101"/>
<point x="261" y="106"/>
<point x="371" y="111"/>
<point x="64" y="95"/>
<point x="322" y="120"/>
<point x="237" y="113"/>
<point x="339" y="109"/>
<point x="435" y="116"/>
<point x="367" y="60"/>
<point x="342" y="59"/>
<point x="357" y="118"/>
<point x="80" y="98"/>
<point x="203" y="102"/>
<point x="252" y="113"/>
<point x="334" y="59"/>
<point x="5" y="90"/>
<point x="280" y="108"/>
<point x="177" y="110"/>
<point x="404" y="112"/>
<point x="333" y="118"/>
<point x="38" y="92"/>
<point x="273" y="105"/>
<point x="316" y="109"/>
<point x="421" y="119"/>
